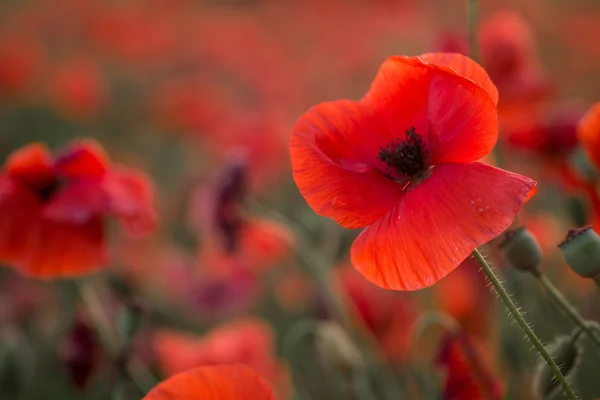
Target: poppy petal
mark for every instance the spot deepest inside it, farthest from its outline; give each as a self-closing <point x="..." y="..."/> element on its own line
<point x="464" y="66"/>
<point x="332" y="169"/>
<point x="66" y="249"/>
<point x="456" y="118"/>
<point x="83" y="159"/>
<point x="438" y="224"/>
<point x="31" y="165"/>
<point x="130" y="196"/>
<point x="20" y="212"/>
<point x="77" y="202"/>
<point x="221" y="382"/>
<point x="589" y="134"/>
<point x="463" y="121"/>
<point x="399" y="97"/>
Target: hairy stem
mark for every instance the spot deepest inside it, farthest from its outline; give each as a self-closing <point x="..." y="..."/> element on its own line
<point x="518" y="317"/>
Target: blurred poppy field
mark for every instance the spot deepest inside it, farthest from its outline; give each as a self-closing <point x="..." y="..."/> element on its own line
<point x="185" y="199"/>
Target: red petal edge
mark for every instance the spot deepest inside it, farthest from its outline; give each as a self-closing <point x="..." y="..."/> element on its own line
<point x="438" y="224"/>
<point x="466" y="67"/>
<point x="221" y="382"/>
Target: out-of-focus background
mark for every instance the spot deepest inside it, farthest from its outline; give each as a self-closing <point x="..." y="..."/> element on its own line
<point x="197" y="92"/>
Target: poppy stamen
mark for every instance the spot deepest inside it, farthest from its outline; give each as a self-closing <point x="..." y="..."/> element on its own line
<point x="406" y="156"/>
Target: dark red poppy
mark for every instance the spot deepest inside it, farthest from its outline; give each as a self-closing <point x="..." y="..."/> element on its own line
<point x="221" y="382"/>
<point x="402" y="163"/>
<point x="466" y="375"/>
<point x="55" y="208"/>
<point x="80" y="351"/>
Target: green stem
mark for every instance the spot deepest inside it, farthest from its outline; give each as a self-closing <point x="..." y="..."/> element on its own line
<point x="516" y="314"/>
<point x="137" y="370"/>
<point x="472" y="23"/>
<point x="566" y="307"/>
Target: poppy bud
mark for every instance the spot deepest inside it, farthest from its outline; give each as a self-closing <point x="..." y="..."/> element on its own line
<point x="231" y="190"/>
<point x="566" y="352"/>
<point x="581" y="250"/>
<point x="130" y="320"/>
<point x="336" y="347"/>
<point x="79" y="351"/>
<point x="522" y="250"/>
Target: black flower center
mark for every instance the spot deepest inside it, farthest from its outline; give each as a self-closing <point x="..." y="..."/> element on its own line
<point x="406" y="156"/>
<point x="49" y="189"/>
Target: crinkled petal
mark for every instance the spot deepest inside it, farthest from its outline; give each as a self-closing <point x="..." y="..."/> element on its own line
<point x="82" y="159"/>
<point x="399" y="97"/>
<point x="463" y="121"/>
<point x="331" y="148"/>
<point x="456" y="118"/>
<point x="464" y="66"/>
<point x="438" y="224"/>
<point x="66" y="250"/>
<point x="221" y="382"/>
<point x="589" y="134"/>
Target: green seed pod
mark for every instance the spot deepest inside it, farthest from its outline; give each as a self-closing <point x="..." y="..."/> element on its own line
<point x="581" y="250"/>
<point x="522" y="250"/>
<point x="567" y="353"/>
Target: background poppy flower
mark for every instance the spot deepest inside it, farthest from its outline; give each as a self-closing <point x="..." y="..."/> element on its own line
<point x="589" y="134"/>
<point x="222" y="382"/>
<point x="402" y="163"/>
<point x="466" y="375"/>
<point x="55" y="208"/>
<point x="246" y="341"/>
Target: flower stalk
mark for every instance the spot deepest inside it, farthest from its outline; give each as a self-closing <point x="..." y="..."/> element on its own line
<point x="566" y="307"/>
<point x="138" y="372"/>
<point x="518" y="317"/>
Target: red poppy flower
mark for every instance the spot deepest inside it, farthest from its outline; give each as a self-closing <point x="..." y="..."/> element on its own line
<point x="402" y="163"/>
<point x="552" y="132"/>
<point x="467" y="378"/>
<point x="55" y="209"/>
<point x="222" y="382"/>
<point x="246" y="341"/>
<point x="589" y="134"/>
